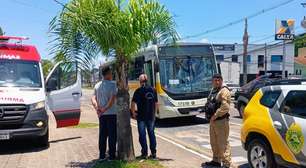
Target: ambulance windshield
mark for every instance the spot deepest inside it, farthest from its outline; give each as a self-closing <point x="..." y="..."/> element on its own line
<point x="17" y="73"/>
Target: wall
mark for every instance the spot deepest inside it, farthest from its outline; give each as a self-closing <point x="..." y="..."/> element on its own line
<point x="258" y="49"/>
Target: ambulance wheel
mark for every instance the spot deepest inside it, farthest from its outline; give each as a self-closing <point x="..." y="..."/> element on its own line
<point x="260" y="154"/>
<point x="43" y="141"/>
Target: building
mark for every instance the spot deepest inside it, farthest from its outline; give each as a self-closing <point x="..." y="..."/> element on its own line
<point x="300" y="57"/>
<point x="257" y="62"/>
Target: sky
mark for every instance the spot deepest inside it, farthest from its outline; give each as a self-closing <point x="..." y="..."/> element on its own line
<point x="31" y="18"/>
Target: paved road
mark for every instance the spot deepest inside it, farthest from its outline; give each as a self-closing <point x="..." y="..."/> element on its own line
<point x="193" y="133"/>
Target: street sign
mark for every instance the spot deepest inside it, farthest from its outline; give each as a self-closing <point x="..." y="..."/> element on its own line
<point x="284" y="29"/>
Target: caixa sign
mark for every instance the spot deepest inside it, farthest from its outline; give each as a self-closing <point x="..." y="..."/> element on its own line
<point x="9" y="56"/>
<point x="284" y="29"/>
<point x="284" y="37"/>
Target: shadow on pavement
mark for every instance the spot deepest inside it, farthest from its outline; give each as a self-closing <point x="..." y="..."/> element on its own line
<point x="241" y="166"/>
<point x="157" y="159"/>
<point x="82" y="164"/>
<point x="20" y="146"/>
<point x="180" y="122"/>
<point x="65" y="139"/>
<point x="246" y="165"/>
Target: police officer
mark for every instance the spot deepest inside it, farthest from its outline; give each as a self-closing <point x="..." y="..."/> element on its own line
<point x="219" y="100"/>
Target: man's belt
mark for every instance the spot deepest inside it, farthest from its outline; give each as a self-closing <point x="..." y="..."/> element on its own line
<point x="225" y="116"/>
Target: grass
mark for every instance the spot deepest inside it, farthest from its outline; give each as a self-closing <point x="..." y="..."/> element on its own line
<point x="134" y="164"/>
<point x="86" y="125"/>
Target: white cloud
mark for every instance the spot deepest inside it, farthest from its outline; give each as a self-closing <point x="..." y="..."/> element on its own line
<point x="204" y="40"/>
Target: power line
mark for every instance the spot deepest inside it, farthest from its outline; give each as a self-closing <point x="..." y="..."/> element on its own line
<point x="239" y="20"/>
<point x="30" y="5"/>
<point x="273" y="35"/>
<point x="271" y="46"/>
<point x="270" y="43"/>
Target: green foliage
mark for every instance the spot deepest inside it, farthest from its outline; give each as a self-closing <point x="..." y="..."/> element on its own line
<point x="86" y="27"/>
<point x="299" y="42"/>
<point x="47" y="66"/>
<point x="86" y="125"/>
<point x="135" y="164"/>
<point x="1" y="32"/>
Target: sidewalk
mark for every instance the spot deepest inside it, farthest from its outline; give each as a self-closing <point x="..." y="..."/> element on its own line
<point x="170" y="154"/>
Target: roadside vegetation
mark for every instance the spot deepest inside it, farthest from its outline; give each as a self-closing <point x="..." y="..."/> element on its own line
<point x="86" y="125"/>
<point x="134" y="164"/>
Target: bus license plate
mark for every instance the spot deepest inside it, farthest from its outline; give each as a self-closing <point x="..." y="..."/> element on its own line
<point x="4" y="136"/>
<point x="194" y="112"/>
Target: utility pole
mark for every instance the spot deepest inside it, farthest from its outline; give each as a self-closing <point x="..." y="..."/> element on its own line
<point x="245" y="52"/>
<point x="284" y="60"/>
<point x="303" y="22"/>
<point x="266" y="57"/>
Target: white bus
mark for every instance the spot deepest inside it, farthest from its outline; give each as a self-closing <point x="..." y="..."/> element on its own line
<point x="181" y="74"/>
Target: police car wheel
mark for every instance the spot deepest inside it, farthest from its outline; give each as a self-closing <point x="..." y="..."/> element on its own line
<point x="260" y="154"/>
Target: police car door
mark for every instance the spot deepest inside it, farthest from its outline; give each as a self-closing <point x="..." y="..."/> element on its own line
<point x="63" y="87"/>
<point x="292" y="124"/>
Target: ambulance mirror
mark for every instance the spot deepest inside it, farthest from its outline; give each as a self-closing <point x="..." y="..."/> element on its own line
<point x="51" y="84"/>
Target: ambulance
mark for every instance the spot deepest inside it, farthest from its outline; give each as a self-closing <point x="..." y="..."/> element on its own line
<point x="26" y="96"/>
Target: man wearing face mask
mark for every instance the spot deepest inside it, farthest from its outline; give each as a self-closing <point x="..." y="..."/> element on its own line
<point x="217" y="111"/>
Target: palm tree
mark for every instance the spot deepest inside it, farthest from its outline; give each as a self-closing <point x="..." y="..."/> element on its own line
<point x="47" y="65"/>
<point x="87" y="27"/>
<point x="1" y="32"/>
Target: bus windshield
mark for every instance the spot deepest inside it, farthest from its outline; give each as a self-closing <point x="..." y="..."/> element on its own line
<point x="17" y="73"/>
<point x="191" y="74"/>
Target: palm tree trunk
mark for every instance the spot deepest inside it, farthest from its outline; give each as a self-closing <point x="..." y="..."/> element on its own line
<point x="125" y="138"/>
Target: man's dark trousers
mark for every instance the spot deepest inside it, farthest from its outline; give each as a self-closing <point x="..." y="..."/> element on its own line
<point x="108" y="129"/>
<point x="143" y="126"/>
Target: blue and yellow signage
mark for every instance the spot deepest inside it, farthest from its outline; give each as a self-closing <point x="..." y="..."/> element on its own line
<point x="284" y="29"/>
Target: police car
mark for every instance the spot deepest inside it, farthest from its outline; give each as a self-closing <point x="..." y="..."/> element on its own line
<point x="274" y="126"/>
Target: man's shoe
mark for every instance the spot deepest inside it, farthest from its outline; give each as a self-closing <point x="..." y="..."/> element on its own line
<point x="143" y="156"/>
<point x="153" y="156"/>
<point x="111" y="159"/>
<point x="213" y="163"/>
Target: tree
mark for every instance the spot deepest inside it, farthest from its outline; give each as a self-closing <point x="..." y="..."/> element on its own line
<point x="299" y="42"/>
<point x="47" y="66"/>
<point x="112" y="26"/>
<point x="1" y="32"/>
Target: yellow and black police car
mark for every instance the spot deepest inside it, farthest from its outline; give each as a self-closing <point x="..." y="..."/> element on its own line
<point x="274" y="125"/>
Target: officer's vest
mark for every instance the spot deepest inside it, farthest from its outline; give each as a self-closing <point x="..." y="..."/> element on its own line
<point x="217" y="104"/>
<point x="212" y="98"/>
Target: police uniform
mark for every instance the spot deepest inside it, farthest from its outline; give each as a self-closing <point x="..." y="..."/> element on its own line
<point x="219" y="129"/>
